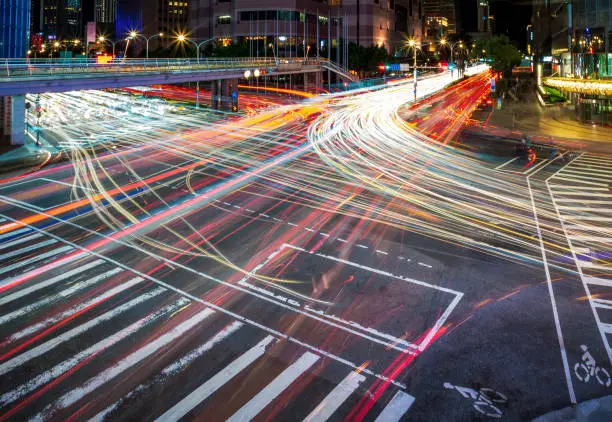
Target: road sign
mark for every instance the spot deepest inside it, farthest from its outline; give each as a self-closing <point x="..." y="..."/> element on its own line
<point x="493" y="86"/>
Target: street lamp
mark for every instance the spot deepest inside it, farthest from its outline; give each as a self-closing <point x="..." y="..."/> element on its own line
<point x="413" y="44"/>
<point x="103" y="39"/>
<point x="271" y="45"/>
<point x="134" y="35"/>
<point x="183" y="38"/>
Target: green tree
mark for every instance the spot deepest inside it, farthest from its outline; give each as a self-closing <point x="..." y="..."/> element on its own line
<point x="503" y="53"/>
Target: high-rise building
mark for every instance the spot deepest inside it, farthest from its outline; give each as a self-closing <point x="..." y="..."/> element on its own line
<point x="408" y="23"/>
<point x="364" y="22"/>
<point x="587" y="31"/>
<point x="14" y="28"/>
<point x="62" y="19"/>
<point x="439" y="18"/>
<point x="485" y="23"/>
<point x="106" y="11"/>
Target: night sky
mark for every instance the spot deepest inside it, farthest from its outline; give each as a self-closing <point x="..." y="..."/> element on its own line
<point x="512" y="17"/>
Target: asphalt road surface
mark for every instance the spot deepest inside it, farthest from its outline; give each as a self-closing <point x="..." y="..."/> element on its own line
<point x="343" y="258"/>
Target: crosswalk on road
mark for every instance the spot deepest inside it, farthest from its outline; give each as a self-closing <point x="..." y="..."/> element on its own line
<point x="582" y="195"/>
<point x="96" y="341"/>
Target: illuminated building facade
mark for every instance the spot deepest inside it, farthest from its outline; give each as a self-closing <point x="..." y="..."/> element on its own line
<point x="14" y="27"/>
<point x="439" y="18"/>
<point x="61" y="19"/>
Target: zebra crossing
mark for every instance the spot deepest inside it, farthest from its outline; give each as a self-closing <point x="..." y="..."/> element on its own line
<point x="582" y="195"/>
<point x="91" y="340"/>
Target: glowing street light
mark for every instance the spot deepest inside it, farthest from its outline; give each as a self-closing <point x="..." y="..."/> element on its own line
<point x="256" y="73"/>
<point x="247" y="74"/>
<point x="134" y="35"/>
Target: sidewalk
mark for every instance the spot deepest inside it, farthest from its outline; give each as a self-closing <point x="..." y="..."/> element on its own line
<point x="26" y="156"/>
<point x="597" y="410"/>
<point x="556" y="124"/>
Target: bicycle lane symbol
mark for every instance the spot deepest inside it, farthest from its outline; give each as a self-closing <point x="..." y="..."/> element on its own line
<point x="486" y="400"/>
<point x="587" y="369"/>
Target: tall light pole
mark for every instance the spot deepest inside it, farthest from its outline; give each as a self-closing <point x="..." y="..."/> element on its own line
<point x="134" y="35"/>
<point x="412" y="43"/>
<point x="102" y="39"/>
<point x="183" y="38"/>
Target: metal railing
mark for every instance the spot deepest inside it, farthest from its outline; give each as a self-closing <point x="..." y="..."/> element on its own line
<point x="40" y="68"/>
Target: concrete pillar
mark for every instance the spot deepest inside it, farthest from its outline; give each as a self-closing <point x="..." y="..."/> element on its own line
<point x="215" y="95"/>
<point x="229" y="95"/>
<point x="312" y="81"/>
<point x="12" y="120"/>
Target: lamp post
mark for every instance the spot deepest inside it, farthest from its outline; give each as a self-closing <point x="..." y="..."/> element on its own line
<point x="134" y="35"/>
<point x="412" y="43"/>
<point x="103" y="39"/>
<point x="451" y="46"/>
<point x="271" y="45"/>
<point x="183" y="38"/>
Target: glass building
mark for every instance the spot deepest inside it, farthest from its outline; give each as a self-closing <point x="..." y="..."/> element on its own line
<point x="14" y="28"/>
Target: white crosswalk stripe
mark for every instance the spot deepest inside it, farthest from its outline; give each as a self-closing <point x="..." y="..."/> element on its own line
<point x="397" y="407"/>
<point x="221" y="378"/>
<point x="272" y="390"/>
<point x="93" y="383"/>
<point x="581" y="193"/>
<point x="26" y="262"/>
<point x="335" y="398"/>
<point x="61" y="295"/>
<point x="64" y="337"/>
<point x="65" y="366"/>
<point x="47" y="297"/>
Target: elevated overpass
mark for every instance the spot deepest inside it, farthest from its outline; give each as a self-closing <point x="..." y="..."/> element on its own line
<point x="31" y="76"/>
<point x="22" y="76"/>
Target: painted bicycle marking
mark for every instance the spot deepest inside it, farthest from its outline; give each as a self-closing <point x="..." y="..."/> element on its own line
<point x="485" y="399"/>
<point x="588" y="369"/>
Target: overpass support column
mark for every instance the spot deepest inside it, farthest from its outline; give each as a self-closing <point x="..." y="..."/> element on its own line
<point x="312" y="81"/>
<point x="12" y="120"/>
<point x="224" y="95"/>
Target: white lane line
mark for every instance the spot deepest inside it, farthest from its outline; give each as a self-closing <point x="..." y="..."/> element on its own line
<point x="422" y="264"/>
<point x="335" y="398"/>
<point x="68" y="335"/>
<point x="174" y="368"/>
<point x="124" y="364"/>
<point x="28" y="261"/>
<point x="13" y="233"/>
<point x="593" y="210"/>
<point x="85" y="252"/>
<point x="578" y="188"/>
<point x="568" y="377"/>
<point x="602" y="303"/>
<point x="397" y="407"/>
<point x="104" y="344"/>
<point x="272" y="390"/>
<point x="584" y="201"/>
<point x="309" y="229"/>
<point x="587" y="218"/>
<point x="341" y="240"/>
<point x="292" y="224"/>
<point x="21" y="240"/>
<point x="61" y="295"/>
<point x="577" y="193"/>
<point x="577" y="180"/>
<point x="381" y="252"/>
<point x="24" y="292"/>
<point x="606" y="328"/>
<point x="30" y="248"/>
<point x="361" y="246"/>
<point x="31" y="329"/>
<point x="598" y="281"/>
<point x="591" y="172"/>
<point x="506" y="163"/>
<point x="264" y="215"/>
<point x="596" y="239"/>
<point x="205" y="390"/>
<point x="588" y="264"/>
<point x="324" y="234"/>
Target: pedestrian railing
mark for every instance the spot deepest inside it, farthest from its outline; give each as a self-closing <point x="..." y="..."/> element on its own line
<point x="41" y="68"/>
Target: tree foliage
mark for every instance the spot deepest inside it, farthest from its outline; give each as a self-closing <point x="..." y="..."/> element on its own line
<point x="366" y="58"/>
<point x="503" y="53"/>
